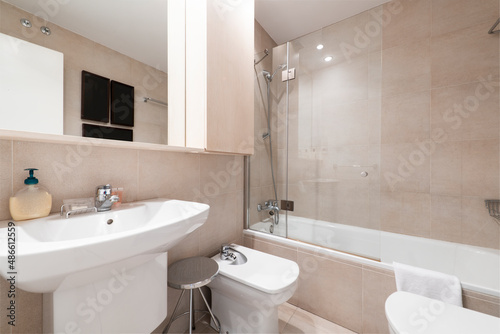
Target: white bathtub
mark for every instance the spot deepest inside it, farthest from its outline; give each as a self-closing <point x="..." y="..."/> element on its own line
<point x="477" y="268"/>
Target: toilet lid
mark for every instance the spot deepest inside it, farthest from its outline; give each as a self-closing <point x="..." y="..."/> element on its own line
<point x="410" y="313"/>
<point x="262" y="271"/>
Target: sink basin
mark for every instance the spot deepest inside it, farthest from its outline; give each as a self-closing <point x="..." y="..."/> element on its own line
<point x="53" y="248"/>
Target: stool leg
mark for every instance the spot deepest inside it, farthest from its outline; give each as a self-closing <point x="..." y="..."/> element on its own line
<point x="173" y="313"/>
<point x="216" y="321"/>
<point x="191" y="312"/>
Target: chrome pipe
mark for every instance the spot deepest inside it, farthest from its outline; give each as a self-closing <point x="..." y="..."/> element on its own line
<point x="266" y="51"/>
<point x="492" y="31"/>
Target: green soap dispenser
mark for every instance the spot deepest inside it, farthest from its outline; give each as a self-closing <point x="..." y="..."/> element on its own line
<point x="33" y="201"/>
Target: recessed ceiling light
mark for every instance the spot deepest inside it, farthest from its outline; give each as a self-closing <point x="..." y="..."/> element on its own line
<point x="45" y="30"/>
<point x="319" y="46"/>
<point x="26" y="23"/>
<point x="329" y="58"/>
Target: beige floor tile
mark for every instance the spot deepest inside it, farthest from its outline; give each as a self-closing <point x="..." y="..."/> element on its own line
<point x="308" y="323"/>
<point x="285" y="313"/>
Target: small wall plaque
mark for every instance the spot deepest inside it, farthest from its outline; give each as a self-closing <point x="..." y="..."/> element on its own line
<point x="122" y="104"/>
<point x="95" y="97"/>
<point x="106" y="132"/>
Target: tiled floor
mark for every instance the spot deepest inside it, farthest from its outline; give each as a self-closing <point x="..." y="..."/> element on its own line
<point x="292" y="320"/>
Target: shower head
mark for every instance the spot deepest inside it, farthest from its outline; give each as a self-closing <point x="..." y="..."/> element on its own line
<point x="270" y="76"/>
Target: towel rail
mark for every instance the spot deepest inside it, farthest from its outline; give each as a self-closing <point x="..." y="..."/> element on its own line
<point x="146" y="99"/>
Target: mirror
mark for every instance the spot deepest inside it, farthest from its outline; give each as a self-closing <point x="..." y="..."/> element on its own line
<point x="123" y="40"/>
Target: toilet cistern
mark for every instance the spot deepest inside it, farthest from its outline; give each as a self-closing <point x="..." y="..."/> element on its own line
<point x="103" y="198"/>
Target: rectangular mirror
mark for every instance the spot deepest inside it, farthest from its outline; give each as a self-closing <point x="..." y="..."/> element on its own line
<point x="123" y="40"/>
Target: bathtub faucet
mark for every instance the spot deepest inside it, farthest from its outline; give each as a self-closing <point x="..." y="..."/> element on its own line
<point x="272" y="207"/>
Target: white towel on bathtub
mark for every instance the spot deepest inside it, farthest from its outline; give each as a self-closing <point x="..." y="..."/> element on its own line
<point x="428" y="283"/>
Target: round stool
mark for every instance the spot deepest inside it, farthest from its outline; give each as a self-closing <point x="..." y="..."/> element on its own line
<point x="189" y="274"/>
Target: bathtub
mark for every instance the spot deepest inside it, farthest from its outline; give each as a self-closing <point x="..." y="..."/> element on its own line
<point x="477" y="268"/>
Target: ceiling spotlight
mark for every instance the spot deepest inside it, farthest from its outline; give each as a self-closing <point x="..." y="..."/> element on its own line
<point x="26" y="23"/>
<point x="329" y="58"/>
<point x="319" y="46"/>
<point x="45" y="30"/>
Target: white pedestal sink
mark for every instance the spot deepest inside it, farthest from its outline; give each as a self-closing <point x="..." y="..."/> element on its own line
<point x="102" y="272"/>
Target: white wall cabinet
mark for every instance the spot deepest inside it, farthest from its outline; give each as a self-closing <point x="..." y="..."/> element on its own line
<point x="218" y="76"/>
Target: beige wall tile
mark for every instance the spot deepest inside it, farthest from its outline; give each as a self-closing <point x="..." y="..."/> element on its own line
<point x="4" y="288"/>
<point x="478" y="228"/>
<point x="345" y="82"/>
<point x="223" y="224"/>
<point x="28" y="312"/>
<point x="466" y="112"/>
<point x="305" y="322"/>
<point x="5" y="177"/>
<point x="415" y="213"/>
<point x="223" y="173"/>
<point x="404" y="167"/>
<point x="406" y="118"/>
<point x="72" y="101"/>
<point x="343" y="303"/>
<point x="480" y="168"/>
<point x="375" y="75"/>
<point x="481" y="305"/>
<point x="446" y="169"/>
<point x="406" y="68"/>
<point x="356" y="123"/>
<point x="353" y="203"/>
<point x="408" y="22"/>
<point x="390" y="212"/>
<point x="169" y="175"/>
<point x="446" y="218"/>
<point x="463" y="56"/>
<point x="73" y="171"/>
<point x="452" y="15"/>
<point x="377" y="288"/>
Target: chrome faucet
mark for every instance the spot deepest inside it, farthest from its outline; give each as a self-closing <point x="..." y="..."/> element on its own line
<point x="272" y="207"/>
<point x="225" y="254"/>
<point x="103" y="198"/>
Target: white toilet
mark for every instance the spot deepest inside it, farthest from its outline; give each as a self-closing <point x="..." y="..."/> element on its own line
<point x="408" y="313"/>
<point x="245" y="297"/>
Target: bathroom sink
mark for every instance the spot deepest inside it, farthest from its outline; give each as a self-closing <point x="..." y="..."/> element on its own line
<point x="50" y="249"/>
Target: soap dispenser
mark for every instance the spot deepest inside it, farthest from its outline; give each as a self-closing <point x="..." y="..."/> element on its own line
<point x="33" y="201"/>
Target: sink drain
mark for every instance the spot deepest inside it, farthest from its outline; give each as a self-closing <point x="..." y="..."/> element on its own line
<point x="110" y="221"/>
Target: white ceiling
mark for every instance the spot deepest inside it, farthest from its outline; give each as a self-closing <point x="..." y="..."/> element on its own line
<point x="138" y="29"/>
<point x="285" y="20"/>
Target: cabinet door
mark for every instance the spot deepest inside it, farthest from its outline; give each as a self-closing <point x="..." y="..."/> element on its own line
<point x="219" y="75"/>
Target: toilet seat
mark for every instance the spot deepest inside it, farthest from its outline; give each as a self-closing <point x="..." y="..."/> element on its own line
<point x="410" y="313"/>
<point x="265" y="272"/>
